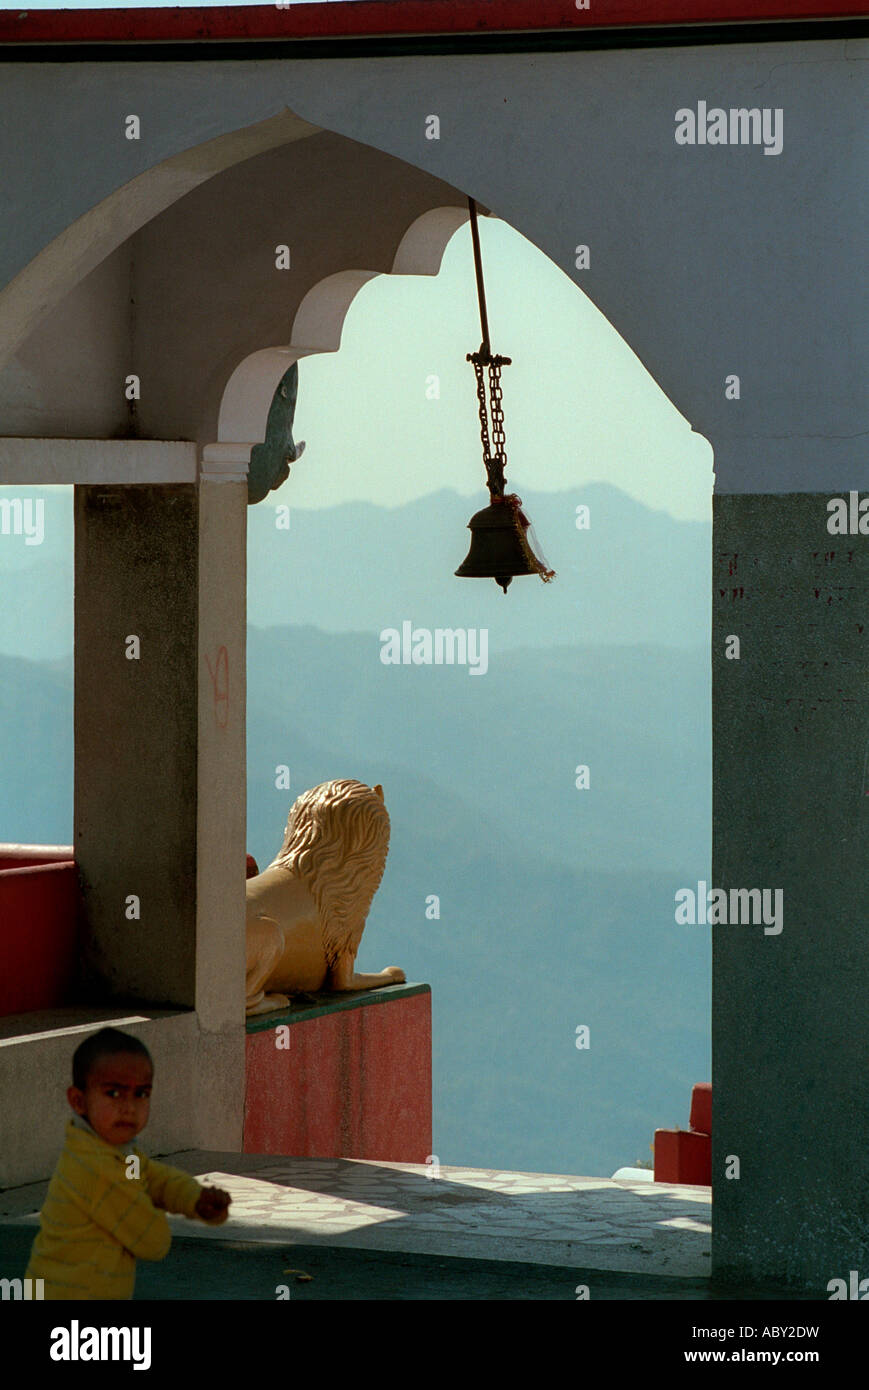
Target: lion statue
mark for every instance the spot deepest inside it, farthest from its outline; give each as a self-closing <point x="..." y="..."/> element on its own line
<point x="306" y="912"/>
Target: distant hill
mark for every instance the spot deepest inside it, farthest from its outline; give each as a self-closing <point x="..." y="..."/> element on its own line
<point x="635" y="576"/>
<point x="508" y="743"/>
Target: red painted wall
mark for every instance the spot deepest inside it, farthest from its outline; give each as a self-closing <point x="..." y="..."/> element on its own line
<point x="38" y="936"/>
<point x="378" y="17"/>
<point x="355" y="1083"/>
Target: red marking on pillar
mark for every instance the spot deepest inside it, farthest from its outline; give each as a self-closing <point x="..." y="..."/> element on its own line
<point x="220" y="686"/>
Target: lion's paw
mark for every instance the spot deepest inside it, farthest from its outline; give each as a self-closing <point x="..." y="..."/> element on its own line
<point x="395" y="975"/>
<point x="269" y="1004"/>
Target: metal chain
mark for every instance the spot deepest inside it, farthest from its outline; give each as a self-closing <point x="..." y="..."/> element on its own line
<point x="497" y="413"/>
<point x="494" y="462"/>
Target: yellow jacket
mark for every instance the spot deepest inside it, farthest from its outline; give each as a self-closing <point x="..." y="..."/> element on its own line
<point x="96" y="1221"/>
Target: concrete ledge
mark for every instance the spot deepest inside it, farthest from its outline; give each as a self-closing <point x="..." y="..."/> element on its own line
<point x="75" y="1018"/>
<point x="28" y="462"/>
<point x="36" y="1069"/>
<point x="13" y="856"/>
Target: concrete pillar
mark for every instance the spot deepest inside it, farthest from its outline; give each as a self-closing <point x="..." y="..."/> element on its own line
<point x="222" y="803"/>
<point x="160" y="797"/>
<point x="136" y="687"/>
<point x="791" y="811"/>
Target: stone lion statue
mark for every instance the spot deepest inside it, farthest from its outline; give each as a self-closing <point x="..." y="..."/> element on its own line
<point x="306" y="912"/>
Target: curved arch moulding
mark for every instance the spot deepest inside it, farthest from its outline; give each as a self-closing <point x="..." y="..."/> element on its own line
<point x="32" y="294"/>
<point x="317" y="327"/>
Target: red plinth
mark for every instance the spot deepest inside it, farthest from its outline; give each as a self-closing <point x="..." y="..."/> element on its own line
<point x="38" y="936"/>
<point x="354" y="1081"/>
<point x="701" y="1108"/>
<point x="683" y="1156"/>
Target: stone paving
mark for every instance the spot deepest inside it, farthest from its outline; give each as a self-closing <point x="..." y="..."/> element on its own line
<point x="477" y="1213"/>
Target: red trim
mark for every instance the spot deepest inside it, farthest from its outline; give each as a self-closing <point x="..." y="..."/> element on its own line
<point x="360" y="18"/>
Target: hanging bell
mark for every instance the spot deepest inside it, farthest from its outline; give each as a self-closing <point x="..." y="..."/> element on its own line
<point x="496" y="548"/>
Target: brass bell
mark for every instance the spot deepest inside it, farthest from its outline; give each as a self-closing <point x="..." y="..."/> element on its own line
<point x="496" y="550"/>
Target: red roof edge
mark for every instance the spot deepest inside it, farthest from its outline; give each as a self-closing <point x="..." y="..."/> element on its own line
<point x="371" y="18"/>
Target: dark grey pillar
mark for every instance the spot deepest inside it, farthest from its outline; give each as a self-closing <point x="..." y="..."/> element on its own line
<point x="136" y="736"/>
<point x="791" y="811"/>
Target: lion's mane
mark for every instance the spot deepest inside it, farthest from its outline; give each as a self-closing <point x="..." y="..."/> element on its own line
<point x="336" y="843"/>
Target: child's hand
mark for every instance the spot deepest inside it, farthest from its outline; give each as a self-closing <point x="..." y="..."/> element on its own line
<point x="213" y="1205"/>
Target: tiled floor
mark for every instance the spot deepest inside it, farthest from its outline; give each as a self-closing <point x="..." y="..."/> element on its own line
<point x="472" y="1212"/>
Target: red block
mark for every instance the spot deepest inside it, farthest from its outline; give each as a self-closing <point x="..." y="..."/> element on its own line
<point x="683" y="1156"/>
<point x="353" y="1083"/>
<point x="38" y="936"/>
<point x="701" y="1108"/>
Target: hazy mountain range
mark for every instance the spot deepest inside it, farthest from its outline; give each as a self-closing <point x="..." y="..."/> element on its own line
<point x="634" y="576"/>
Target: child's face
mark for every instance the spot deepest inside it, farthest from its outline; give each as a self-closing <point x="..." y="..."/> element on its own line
<point x="117" y="1097"/>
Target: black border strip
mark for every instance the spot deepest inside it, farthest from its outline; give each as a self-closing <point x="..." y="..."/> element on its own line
<point x="386" y="46"/>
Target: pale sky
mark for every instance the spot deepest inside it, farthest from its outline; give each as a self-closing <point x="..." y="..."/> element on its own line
<point x="578" y="405"/>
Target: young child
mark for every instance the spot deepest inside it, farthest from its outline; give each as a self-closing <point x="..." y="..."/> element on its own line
<point x="106" y="1201"/>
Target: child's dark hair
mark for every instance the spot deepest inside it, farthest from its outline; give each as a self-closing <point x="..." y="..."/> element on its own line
<point x="106" y="1043"/>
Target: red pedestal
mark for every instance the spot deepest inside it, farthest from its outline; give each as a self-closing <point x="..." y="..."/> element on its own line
<point x="38" y="936"/>
<point x="701" y="1108"/>
<point x="683" y="1156"/>
<point x="344" y="1078"/>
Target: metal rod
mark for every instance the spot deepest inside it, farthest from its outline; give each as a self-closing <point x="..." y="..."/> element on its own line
<point x="478" y="266"/>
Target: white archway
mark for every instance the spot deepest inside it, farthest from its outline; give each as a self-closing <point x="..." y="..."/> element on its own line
<point x="31" y="296"/>
<point x="317" y="327"/>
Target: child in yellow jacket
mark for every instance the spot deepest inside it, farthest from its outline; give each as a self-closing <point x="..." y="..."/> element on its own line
<point x="106" y="1201"/>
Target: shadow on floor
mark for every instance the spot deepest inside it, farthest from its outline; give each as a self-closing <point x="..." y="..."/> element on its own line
<point x="235" y="1271"/>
